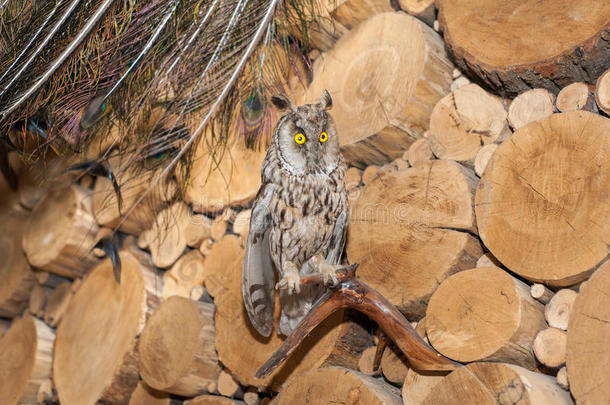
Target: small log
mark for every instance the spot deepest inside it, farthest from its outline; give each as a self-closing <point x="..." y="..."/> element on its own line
<point x="539" y="203"/>
<point x="561" y="51"/>
<point x="419" y="151"/>
<point x="144" y="395"/>
<point x="58" y="304"/>
<point x="465" y="120"/>
<point x="103" y="310"/>
<point x="540" y="293"/>
<point x="602" y="92"/>
<point x="562" y="378"/>
<point x="418" y="384"/>
<point x="557" y="311"/>
<point x="26" y="354"/>
<point x="61" y="231"/>
<point x="409" y="220"/>
<point x="550" y="347"/>
<point x="223" y="254"/>
<point x="369" y="174"/>
<point x="167" y="240"/>
<point x="350" y="13"/>
<point x="352" y="178"/>
<point x="576" y="96"/>
<point x="212" y="400"/>
<point x="251" y="396"/>
<point x="459" y="82"/>
<point x="16" y="276"/>
<point x="241" y="224"/>
<point x="196" y="229"/>
<point x="588" y="336"/>
<point x="227" y="386"/>
<point x="384" y="88"/>
<point x="421" y="9"/>
<point x="532" y="105"/>
<point x="482" y="158"/>
<point x="179" y="335"/>
<point x="206" y="246"/>
<point x="366" y="363"/>
<point x="484" y="314"/>
<point x="394" y="365"/>
<point x="184" y="276"/>
<point x="497" y="383"/>
<point x="220" y="224"/>
<point x="488" y="260"/>
<point x="337" y="385"/>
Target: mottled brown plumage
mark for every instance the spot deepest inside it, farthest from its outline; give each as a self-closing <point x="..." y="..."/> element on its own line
<point x="299" y="217"/>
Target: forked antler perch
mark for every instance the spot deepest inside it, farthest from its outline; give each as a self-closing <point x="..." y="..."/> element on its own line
<point x="353" y="293"/>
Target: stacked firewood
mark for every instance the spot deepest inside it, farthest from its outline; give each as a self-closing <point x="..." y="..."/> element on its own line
<point x="479" y="154"/>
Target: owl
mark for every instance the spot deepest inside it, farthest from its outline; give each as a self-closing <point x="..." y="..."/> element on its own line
<point x="299" y="217"/>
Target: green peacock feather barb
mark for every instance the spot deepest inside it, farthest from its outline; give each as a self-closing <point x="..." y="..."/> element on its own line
<point x="139" y="82"/>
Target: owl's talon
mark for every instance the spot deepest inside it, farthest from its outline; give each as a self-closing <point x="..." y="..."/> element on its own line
<point x="329" y="276"/>
<point x="292" y="282"/>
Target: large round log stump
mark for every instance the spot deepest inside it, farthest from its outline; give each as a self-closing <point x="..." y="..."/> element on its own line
<point x="61" y="232"/>
<point x="95" y="352"/>
<point x="242" y="350"/>
<point x="588" y="337"/>
<point x="385" y="76"/>
<point x="177" y="353"/>
<point x="337" y="385"/>
<point x="497" y="383"/>
<point x="410" y="229"/>
<point x="542" y="203"/>
<point x="25" y="360"/>
<point x="569" y="43"/>
<point x="484" y="314"/>
<point x="16" y="276"/>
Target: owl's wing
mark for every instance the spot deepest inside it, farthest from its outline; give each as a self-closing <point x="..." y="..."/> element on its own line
<point x="337" y="242"/>
<point x="257" y="272"/>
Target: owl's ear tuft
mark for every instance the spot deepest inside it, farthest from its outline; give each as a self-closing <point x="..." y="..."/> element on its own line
<point x="282" y="103"/>
<point x="326" y="101"/>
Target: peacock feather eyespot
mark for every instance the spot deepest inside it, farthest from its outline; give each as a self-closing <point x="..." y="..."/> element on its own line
<point x="299" y="138"/>
<point x="323" y="136"/>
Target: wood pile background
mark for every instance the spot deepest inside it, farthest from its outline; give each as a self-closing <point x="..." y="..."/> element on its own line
<point x="478" y="141"/>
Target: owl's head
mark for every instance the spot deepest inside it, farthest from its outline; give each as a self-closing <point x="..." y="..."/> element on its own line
<point x="306" y="137"/>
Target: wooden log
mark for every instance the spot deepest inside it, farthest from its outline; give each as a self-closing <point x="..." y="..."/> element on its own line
<point x="369" y="174"/>
<point x="465" y="120"/>
<point x="16" y="277"/>
<point x="227" y="386"/>
<point x="540" y="203"/>
<point x="532" y="105"/>
<point x="588" y="336"/>
<point x="26" y="354"/>
<point x="61" y="231"/>
<point x="497" y="383"/>
<point x="422" y="9"/>
<point x="184" y="276"/>
<point x="144" y="395"/>
<point x="167" y="240"/>
<point x="418" y="384"/>
<point x="232" y="179"/>
<point x="488" y="260"/>
<point x="221" y="224"/>
<point x="562" y="51"/>
<point x="484" y="314"/>
<point x="251" y="397"/>
<point x="242" y="350"/>
<point x="576" y="96"/>
<point x="350" y="13"/>
<point x="366" y="363"/>
<point x="241" y="223"/>
<point x="602" y="92"/>
<point x="562" y="378"/>
<point x="394" y="165"/>
<point x="459" y="82"/>
<point x="540" y="293"/>
<point x="550" y="347"/>
<point x="98" y="333"/>
<point x="196" y="229"/>
<point x="224" y="254"/>
<point x="352" y="178"/>
<point x="394" y="365"/>
<point x="337" y="385"/>
<point x="384" y="88"/>
<point x="557" y="311"/>
<point x="179" y="336"/>
<point x="409" y="220"/>
<point x="419" y="151"/>
<point x="482" y="158"/>
<point x="58" y="304"/>
<point x="212" y="400"/>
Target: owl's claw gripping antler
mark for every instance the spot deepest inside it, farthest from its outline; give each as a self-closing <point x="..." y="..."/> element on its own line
<point x="353" y="293"/>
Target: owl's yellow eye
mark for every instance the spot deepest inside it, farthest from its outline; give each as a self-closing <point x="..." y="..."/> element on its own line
<point x="299" y="138"/>
<point x="323" y="137"/>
